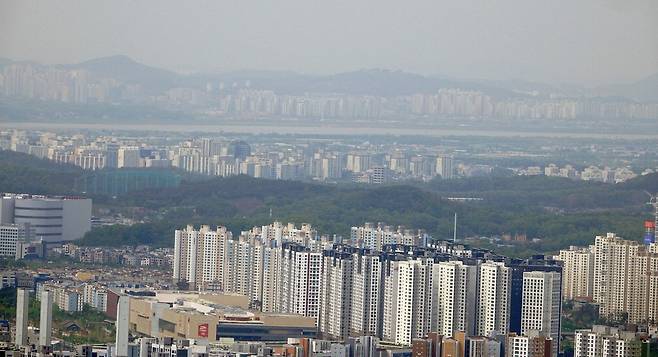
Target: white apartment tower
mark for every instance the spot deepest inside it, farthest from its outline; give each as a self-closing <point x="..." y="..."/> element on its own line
<point x="199" y="256"/>
<point x="271" y="288"/>
<point x="454" y="298"/>
<point x="407" y="302"/>
<point x="613" y="273"/>
<point x="642" y="298"/>
<point x="541" y="305"/>
<point x="367" y="291"/>
<point x="300" y="281"/>
<point x="336" y="294"/>
<point x="239" y="263"/>
<point x="128" y="156"/>
<point x="493" y="312"/>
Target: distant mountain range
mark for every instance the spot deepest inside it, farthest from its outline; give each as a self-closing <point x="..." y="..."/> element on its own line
<point x="362" y="82"/>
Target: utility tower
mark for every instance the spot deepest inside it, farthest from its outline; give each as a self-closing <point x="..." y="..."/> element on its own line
<point x="653" y="201"/>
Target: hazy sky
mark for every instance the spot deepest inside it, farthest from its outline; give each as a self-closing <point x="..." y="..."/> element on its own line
<point x="582" y="41"/>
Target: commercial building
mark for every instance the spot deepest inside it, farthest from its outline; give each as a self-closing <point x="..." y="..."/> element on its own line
<point x="51" y="218"/>
<point x="213" y="317"/>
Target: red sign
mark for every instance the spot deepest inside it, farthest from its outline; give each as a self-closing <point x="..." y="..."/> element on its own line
<point x="649" y="224"/>
<point x="203" y="330"/>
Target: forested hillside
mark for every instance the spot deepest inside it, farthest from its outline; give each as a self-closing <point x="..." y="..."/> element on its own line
<point x="512" y="205"/>
<point x="560" y="212"/>
<point x="25" y="173"/>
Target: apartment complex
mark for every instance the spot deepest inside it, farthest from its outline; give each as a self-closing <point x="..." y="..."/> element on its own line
<point x="398" y="293"/>
<point x="618" y="274"/>
<point x="605" y="341"/>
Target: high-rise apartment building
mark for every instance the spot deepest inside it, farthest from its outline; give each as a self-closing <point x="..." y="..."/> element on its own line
<point x="375" y="237"/>
<point x="300" y="277"/>
<point x="611" y="270"/>
<point x="642" y="292"/>
<point x="128" y="156"/>
<point x="399" y="293"/>
<point x="444" y="167"/>
<point x="271" y="288"/>
<point x="493" y="311"/>
<point x="367" y="292"/>
<point x="199" y="256"/>
<point x="455" y="298"/>
<point x="336" y="293"/>
<point x="407" y="295"/>
<point x="618" y="274"/>
<point x="577" y="273"/>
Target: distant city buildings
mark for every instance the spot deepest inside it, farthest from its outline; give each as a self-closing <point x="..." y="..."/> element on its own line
<point x="223" y="157"/>
<point x="52" y="83"/>
<point x="590" y="173"/>
<point x="332" y="161"/>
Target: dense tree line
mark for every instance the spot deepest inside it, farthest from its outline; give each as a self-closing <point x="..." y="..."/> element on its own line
<point x="25" y="173"/>
<point x="559" y="211"/>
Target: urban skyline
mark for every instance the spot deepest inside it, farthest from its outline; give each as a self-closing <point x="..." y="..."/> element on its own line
<point x="346" y="178"/>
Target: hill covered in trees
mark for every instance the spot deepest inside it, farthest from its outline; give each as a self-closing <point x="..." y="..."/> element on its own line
<point x="25" y="173"/>
<point x="558" y="211"/>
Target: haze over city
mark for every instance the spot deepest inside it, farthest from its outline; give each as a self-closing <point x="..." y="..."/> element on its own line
<point x="589" y="42"/>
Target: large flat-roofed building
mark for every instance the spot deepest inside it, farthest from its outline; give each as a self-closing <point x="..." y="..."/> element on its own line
<point x="52" y="219"/>
<point x="213" y="317"/>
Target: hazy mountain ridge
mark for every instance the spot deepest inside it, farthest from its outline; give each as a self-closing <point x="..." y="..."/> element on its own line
<point x="125" y="69"/>
<point x="645" y="90"/>
<point x="380" y="82"/>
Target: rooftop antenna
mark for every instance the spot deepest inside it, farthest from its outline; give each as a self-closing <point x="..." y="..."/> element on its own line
<point x="653" y="201"/>
<point x="454" y="230"/>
